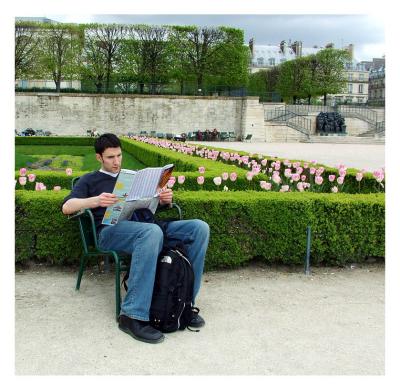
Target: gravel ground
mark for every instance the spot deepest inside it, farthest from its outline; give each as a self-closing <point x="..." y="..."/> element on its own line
<point x="260" y="320"/>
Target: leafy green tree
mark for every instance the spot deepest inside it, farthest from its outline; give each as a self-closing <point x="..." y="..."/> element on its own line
<point x="108" y="39"/>
<point x="231" y="60"/>
<point x="59" y="52"/>
<point x="293" y="77"/>
<point x="151" y="54"/>
<point x="330" y="74"/>
<point x="199" y="47"/>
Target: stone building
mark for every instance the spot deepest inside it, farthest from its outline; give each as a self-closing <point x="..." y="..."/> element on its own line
<point x="376" y="90"/>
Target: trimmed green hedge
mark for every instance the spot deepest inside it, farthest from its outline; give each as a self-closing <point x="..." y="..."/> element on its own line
<point x="79" y="141"/>
<point x="244" y="225"/>
<point x="186" y="165"/>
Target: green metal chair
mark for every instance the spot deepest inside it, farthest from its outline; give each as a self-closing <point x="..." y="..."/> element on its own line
<point x="90" y="248"/>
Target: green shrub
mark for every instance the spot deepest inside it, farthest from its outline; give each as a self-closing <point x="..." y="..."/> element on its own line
<point x="244" y="225"/>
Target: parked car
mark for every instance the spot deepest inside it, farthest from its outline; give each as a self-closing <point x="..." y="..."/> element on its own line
<point x="40" y="133"/>
<point x="28" y="132"/>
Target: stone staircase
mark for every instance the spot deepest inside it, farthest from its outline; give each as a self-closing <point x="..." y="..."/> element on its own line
<point x="345" y="139"/>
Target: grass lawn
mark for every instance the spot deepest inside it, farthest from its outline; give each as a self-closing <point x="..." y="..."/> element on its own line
<point x="57" y="157"/>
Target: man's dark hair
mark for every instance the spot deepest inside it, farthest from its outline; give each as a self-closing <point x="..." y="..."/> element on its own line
<point x="105" y="141"/>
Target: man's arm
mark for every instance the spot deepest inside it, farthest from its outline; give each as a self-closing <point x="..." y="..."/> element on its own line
<point x="73" y="205"/>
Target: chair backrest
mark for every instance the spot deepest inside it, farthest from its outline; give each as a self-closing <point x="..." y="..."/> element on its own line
<point x="87" y="227"/>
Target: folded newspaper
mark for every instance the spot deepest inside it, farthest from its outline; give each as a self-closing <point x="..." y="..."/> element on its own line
<point x="135" y="190"/>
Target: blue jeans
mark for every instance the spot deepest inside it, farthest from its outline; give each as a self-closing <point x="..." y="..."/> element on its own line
<point x="145" y="242"/>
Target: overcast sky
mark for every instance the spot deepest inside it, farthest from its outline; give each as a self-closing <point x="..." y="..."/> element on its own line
<point x="364" y="31"/>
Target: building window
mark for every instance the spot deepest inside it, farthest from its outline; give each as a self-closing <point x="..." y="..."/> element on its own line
<point x="271" y="61"/>
<point x="361" y="76"/>
<point x="350" y="88"/>
<point x="360" y="100"/>
<point x="360" y="88"/>
<point x="350" y="76"/>
<point x="260" y="61"/>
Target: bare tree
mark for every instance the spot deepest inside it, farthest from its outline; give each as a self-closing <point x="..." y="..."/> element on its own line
<point x="26" y="43"/>
<point x="109" y="38"/>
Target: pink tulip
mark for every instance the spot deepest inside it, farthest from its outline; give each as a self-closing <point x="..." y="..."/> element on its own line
<point x="359" y="176"/>
<point x="263" y="183"/>
<point x="39" y="186"/>
<point x="295" y="177"/>
<point x="249" y="176"/>
<point x="303" y="177"/>
<point x="233" y="176"/>
<point x="181" y="179"/>
<point x="305" y="165"/>
<point x="312" y="170"/>
<point x="68" y="171"/>
<point x="340" y="180"/>
<point x="276" y="178"/>
<point x="319" y="180"/>
<point x="57" y="188"/>
<point x="226" y="188"/>
<point x="171" y="182"/>
<point x="200" y="180"/>
<point x="22" y="172"/>
<point x="217" y="181"/>
<point x="264" y="162"/>
<point x="300" y="186"/>
<point x="225" y="176"/>
<point x="284" y="188"/>
<point x="202" y="169"/>
<point x="342" y="172"/>
<point x="334" y="189"/>
<point x="268" y="186"/>
<point x="331" y="178"/>
<point x="22" y="180"/>
<point x="31" y="177"/>
<point x="287" y="172"/>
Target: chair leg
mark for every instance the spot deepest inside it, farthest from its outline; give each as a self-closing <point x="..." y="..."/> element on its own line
<point x="80" y="273"/>
<point x="117" y="287"/>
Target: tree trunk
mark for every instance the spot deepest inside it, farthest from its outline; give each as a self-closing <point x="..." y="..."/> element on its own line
<point x="200" y="84"/>
<point x="324" y="99"/>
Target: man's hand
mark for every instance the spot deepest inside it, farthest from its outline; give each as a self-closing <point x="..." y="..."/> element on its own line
<point x="106" y="199"/>
<point x="166" y="196"/>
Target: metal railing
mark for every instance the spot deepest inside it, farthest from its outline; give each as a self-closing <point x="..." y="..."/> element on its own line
<point x="365" y="114"/>
<point x="380" y="127"/>
<point x="300" y="123"/>
<point x="292" y="119"/>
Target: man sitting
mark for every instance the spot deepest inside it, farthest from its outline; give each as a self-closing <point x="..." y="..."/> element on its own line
<point x="143" y="241"/>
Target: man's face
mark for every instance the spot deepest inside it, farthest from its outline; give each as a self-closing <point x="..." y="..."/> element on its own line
<point x="110" y="159"/>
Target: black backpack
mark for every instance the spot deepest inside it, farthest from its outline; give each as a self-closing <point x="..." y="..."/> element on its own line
<point x="171" y="306"/>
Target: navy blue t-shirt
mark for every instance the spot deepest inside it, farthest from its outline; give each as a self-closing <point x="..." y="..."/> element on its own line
<point x="93" y="184"/>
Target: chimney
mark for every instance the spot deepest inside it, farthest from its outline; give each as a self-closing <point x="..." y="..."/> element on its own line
<point x="350" y="49"/>
<point x="251" y="46"/>
<point x="282" y="47"/>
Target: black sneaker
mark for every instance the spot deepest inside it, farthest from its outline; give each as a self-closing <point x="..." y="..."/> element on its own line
<point x="197" y="321"/>
<point x="140" y="330"/>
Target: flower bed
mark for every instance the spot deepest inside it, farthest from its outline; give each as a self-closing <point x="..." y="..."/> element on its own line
<point x="252" y="218"/>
